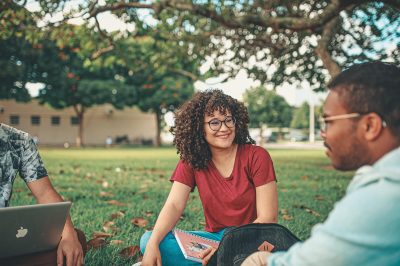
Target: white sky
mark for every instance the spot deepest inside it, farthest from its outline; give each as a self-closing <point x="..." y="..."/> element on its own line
<point x="237" y="86"/>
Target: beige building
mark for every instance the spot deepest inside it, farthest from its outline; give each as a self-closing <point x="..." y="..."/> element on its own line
<point x="58" y="127"/>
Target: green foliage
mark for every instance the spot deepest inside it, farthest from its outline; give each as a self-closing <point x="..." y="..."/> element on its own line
<point x="16" y="68"/>
<point x="301" y="116"/>
<point x="267" y="108"/>
<point x="139" y="178"/>
<point x="280" y="41"/>
<point x="274" y="41"/>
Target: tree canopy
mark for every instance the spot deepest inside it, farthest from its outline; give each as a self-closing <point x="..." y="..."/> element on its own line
<point x="267" y="108"/>
<point x="275" y="41"/>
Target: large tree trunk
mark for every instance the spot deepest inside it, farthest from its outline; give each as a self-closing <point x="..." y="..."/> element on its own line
<point x="80" y="114"/>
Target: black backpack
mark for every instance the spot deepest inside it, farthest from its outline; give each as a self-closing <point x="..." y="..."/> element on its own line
<point x="239" y="242"/>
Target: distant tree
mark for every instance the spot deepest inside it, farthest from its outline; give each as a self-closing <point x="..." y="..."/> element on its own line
<point x="162" y="75"/>
<point x="301" y="116"/>
<point x="18" y="51"/>
<point x="72" y="79"/>
<point x="17" y="64"/>
<point x="267" y="108"/>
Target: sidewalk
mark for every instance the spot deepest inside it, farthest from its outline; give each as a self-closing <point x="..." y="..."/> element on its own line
<point x="317" y="145"/>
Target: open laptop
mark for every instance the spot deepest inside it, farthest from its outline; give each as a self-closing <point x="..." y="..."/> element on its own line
<point x="31" y="228"/>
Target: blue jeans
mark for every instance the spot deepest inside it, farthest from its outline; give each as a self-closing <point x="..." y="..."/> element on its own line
<point x="171" y="254"/>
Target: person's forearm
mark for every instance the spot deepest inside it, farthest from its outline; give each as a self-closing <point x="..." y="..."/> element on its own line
<point x="166" y="221"/>
<point x="50" y="196"/>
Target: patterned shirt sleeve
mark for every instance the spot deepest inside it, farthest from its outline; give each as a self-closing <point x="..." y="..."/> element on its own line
<point x="31" y="166"/>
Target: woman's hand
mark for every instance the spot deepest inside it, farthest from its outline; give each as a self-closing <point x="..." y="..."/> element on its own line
<point x="152" y="256"/>
<point x="206" y="255"/>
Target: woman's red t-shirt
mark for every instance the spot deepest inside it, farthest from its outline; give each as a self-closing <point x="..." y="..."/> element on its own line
<point x="229" y="201"/>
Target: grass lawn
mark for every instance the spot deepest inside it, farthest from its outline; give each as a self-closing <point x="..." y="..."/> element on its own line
<point x="102" y="182"/>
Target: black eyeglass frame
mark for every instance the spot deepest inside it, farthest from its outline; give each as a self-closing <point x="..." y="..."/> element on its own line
<point x="220" y="123"/>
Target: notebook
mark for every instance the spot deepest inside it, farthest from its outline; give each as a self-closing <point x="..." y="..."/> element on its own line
<point x="31" y="228"/>
<point x="192" y="245"/>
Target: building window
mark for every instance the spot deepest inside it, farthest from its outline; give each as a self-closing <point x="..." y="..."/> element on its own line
<point x="55" y="120"/>
<point x="35" y="120"/>
<point x="14" y="120"/>
<point x="74" y="120"/>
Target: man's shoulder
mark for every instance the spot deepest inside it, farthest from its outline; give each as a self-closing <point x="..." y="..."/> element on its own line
<point x="12" y="139"/>
<point x="11" y="133"/>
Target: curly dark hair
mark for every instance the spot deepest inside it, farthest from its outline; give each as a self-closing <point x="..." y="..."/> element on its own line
<point x="189" y="125"/>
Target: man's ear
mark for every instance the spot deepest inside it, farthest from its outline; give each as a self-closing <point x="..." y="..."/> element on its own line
<point x="373" y="126"/>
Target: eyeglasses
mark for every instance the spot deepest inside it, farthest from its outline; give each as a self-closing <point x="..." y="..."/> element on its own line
<point x="324" y="121"/>
<point x="215" y="124"/>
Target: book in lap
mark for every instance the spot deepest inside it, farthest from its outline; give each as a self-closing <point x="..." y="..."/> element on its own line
<point x="192" y="245"/>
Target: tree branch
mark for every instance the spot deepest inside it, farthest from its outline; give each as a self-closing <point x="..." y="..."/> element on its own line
<point x="322" y="48"/>
<point x="243" y="21"/>
<point x="94" y="11"/>
<point x="186" y="74"/>
<point x="102" y="51"/>
<point x="106" y="36"/>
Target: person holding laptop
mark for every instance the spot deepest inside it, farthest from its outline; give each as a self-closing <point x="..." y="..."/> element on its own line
<point x="361" y="130"/>
<point x="18" y="154"/>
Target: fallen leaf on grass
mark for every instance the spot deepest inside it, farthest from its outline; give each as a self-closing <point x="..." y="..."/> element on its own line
<point x="319" y="197"/>
<point x="202" y="223"/>
<point x="117" y="214"/>
<point x="283" y="211"/>
<point x="308" y="210"/>
<point x="88" y="176"/>
<point x="108" y="226"/>
<point x="106" y="194"/>
<point x="287" y="217"/>
<point x="96" y="243"/>
<point x="116" y="202"/>
<point x="98" y="234"/>
<point x="116" y="242"/>
<point x="129" y="252"/>
<point x="105" y="184"/>
<point x="304" y="178"/>
<point x="149" y="213"/>
<point x="139" y="221"/>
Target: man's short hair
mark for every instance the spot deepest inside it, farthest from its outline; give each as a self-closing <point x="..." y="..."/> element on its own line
<point x="371" y="87"/>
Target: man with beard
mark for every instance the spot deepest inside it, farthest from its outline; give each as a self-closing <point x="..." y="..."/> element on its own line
<point x="361" y="130"/>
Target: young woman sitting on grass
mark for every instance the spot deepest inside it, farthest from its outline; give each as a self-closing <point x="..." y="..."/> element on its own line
<point x="235" y="179"/>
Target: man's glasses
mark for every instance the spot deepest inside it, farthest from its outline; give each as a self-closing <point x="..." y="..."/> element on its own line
<point x="324" y="121"/>
<point x="215" y="124"/>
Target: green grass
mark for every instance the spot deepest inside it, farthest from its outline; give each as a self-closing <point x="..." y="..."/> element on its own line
<point x="308" y="188"/>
